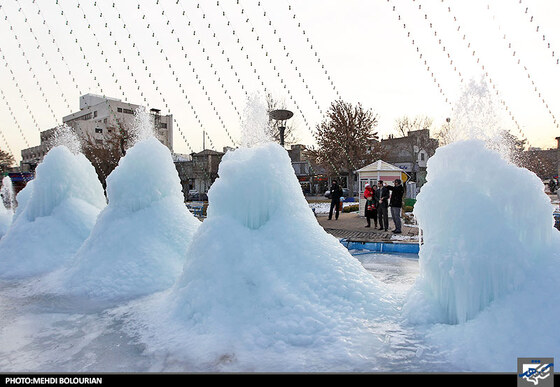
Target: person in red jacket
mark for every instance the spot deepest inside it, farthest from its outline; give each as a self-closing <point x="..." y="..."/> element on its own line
<point x="371" y="208"/>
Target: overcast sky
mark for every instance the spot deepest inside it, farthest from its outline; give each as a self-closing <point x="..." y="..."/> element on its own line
<point x="200" y="61"/>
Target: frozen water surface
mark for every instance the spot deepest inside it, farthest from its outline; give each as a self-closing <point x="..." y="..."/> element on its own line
<point x="41" y="333"/>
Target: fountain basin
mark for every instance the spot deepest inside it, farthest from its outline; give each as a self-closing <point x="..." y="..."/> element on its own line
<point x="382" y="247"/>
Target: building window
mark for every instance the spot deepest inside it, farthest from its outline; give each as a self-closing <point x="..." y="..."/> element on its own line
<point x="95" y="114"/>
<point x="98" y="130"/>
<point x="163" y="125"/>
<point x="128" y="111"/>
<point x="422" y="156"/>
<point x="363" y="182"/>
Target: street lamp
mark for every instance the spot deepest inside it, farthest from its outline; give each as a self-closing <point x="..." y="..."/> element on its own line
<point x="281" y="115"/>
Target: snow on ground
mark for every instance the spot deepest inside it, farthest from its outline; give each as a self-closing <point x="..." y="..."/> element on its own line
<point x="323" y="208"/>
<point x="405" y="238"/>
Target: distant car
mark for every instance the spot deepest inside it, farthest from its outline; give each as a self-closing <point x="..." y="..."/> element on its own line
<point x="345" y="193"/>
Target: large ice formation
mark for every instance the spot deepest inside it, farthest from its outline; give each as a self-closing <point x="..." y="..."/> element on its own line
<point x="486" y="223"/>
<point x="264" y="286"/>
<point x="139" y="242"/>
<point x="55" y="214"/>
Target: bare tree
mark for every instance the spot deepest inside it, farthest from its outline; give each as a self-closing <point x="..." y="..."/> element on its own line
<point x="509" y="146"/>
<point x="346" y="139"/>
<point x="106" y="152"/>
<point x="544" y="163"/>
<point x="414" y="140"/>
<point x="445" y="133"/>
<point x="404" y="125"/>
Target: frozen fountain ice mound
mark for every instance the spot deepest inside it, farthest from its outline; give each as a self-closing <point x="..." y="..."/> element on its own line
<point x="259" y="188"/>
<point x="264" y="287"/>
<point x="6" y="216"/>
<point x="7" y="206"/>
<point x="486" y="223"/>
<point x="139" y="242"/>
<point x="55" y="214"/>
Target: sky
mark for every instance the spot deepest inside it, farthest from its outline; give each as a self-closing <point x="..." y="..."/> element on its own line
<point x="202" y="61"/>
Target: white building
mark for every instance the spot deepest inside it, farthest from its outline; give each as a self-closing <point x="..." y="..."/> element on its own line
<point x="98" y="118"/>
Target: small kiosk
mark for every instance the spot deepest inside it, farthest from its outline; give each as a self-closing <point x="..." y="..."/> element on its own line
<point x="372" y="173"/>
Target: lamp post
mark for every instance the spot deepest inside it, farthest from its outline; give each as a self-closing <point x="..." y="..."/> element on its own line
<point x="281" y="115"/>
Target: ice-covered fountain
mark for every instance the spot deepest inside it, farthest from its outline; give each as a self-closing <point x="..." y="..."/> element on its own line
<point x="262" y="279"/>
<point x="259" y="285"/>
<point x="55" y="214"/>
<point x="490" y="254"/>
<point x="140" y="238"/>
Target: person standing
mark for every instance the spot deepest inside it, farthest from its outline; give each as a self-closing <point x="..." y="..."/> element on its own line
<point x="383" y="207"/>
<point x="336" y="194"/>
<point x="397" y="192"/>
<point x="370" y="209"/>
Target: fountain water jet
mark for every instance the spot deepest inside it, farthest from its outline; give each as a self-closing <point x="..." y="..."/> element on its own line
<point x="8" y="205"/>
<point x="254" y="123"/>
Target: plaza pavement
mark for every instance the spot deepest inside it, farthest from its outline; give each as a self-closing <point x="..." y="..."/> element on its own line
<point x="351" y="226"/>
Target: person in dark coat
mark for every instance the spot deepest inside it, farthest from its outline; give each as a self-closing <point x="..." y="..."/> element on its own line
<point x="336" y="194"/>
<point x="383" y="207"/>
<point x="397" y="192"/>
<point x="370" y="209"/>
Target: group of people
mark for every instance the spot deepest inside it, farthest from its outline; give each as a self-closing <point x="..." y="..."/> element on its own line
<point x="378" y="201"/>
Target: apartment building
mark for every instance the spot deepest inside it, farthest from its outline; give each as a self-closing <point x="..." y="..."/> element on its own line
<point x="97" y="120"/>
